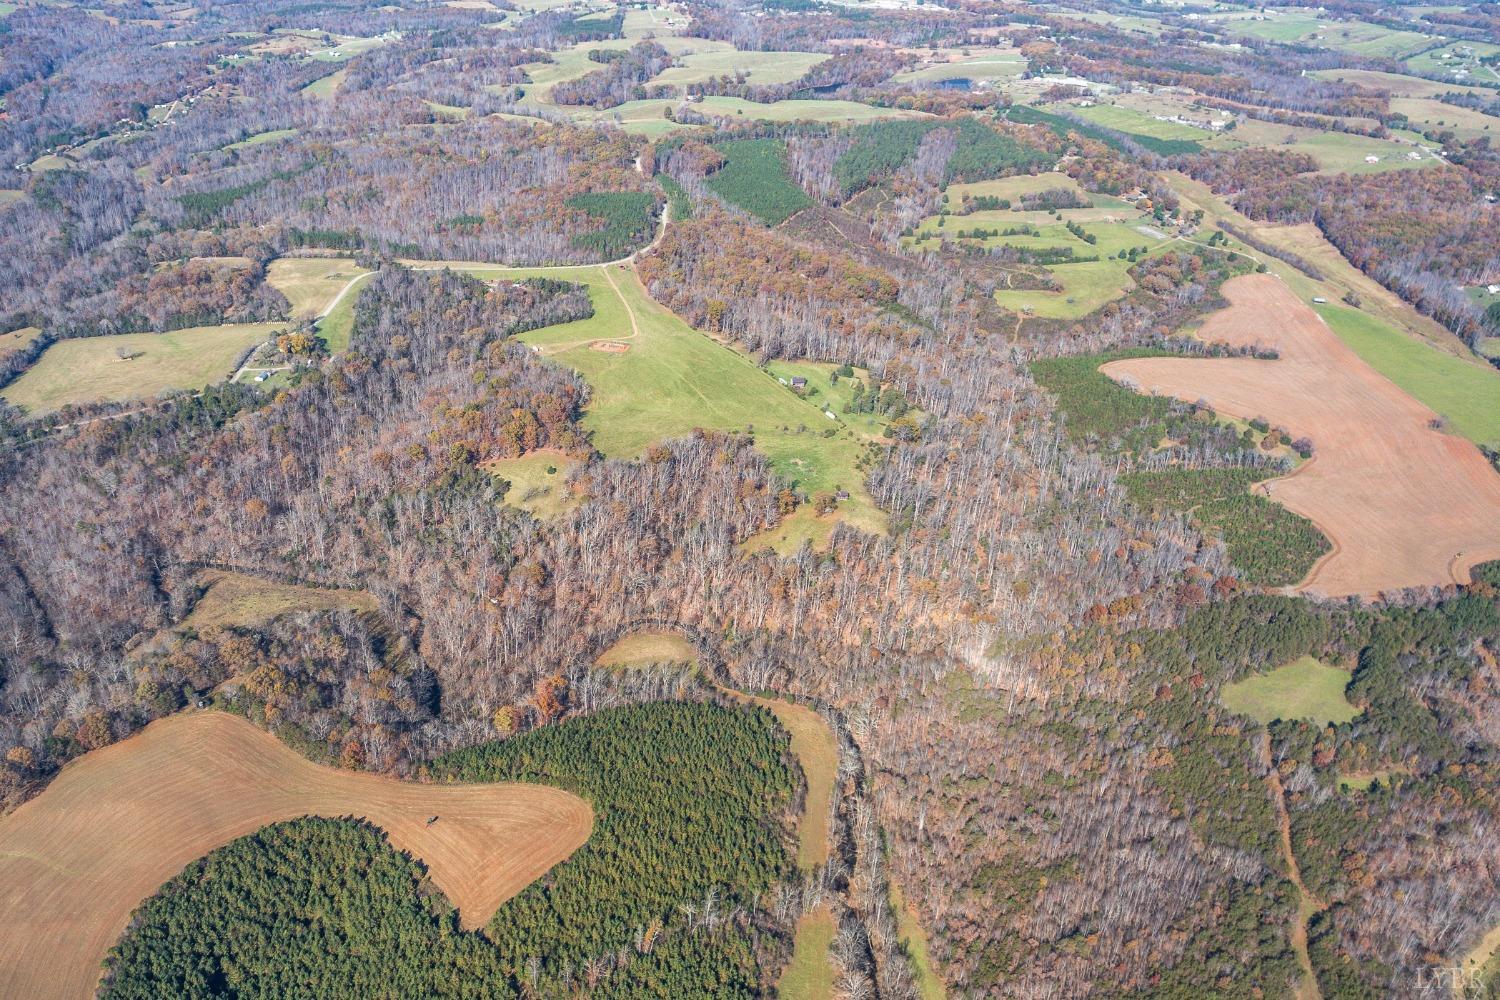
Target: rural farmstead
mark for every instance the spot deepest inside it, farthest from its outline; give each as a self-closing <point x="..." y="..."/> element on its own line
<point x="801" y="499"/>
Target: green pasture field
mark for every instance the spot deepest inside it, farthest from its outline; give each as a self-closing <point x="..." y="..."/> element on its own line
<point x="1353" y="37"/>
<point x="755" y="178"/>
<point x="1086" y="285"/>
<point x="1302" y="689"/>
<point x="809" y="975"/>
<point x="1463" y="56"/>
<point x="758" y="67"/>
<point x="325" y="87"/>
<point x="1465" y="393"/>
<point x="673" y="380"/>
<point x="653" y="22"/>
<point x="336" y="327"/>
<point x="260" y="138"/>
<point x="1134" y="122"/>
<point x="791" y="111"/>
<point x="90" y="369"/>
<point x="349" y="47"/>
<point x="538" y="482"/>
<point x="982" y="64"/>
<point x="573" y="62"/>
<point x="1344" y="152"/>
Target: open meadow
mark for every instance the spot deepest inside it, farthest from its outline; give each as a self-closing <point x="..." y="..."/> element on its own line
<point x="1405" y="505"/>
<point x="538" y="482"/>
<point x="312" y="284"/>
<point x="133" y="365"/>
<point x="1302" y="689"/>
<point x="119" y="822"/>
<point x="236" y="599"/>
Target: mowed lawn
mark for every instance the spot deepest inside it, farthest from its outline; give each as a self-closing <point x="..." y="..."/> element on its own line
<point x="1302" y="689"/>
<point x="673" y="380"/>
<point x="91" y="369"/>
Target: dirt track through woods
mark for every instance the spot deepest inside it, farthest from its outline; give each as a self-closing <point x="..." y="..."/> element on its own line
<point x="76" y="860"/>
<point x="1403" y="504"/>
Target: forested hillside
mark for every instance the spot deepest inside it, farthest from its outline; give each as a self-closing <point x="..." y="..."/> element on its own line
<point x="1006" y="388"/>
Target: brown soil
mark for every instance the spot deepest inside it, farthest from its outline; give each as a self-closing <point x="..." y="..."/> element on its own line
<point x="76" y="860"/>
<point x="1403" y="504"/>
<point x="609" y="346"/>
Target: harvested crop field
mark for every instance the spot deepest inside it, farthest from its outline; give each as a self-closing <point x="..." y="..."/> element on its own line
<point x="1405" y="505"/>
<point x="76" y="860"/>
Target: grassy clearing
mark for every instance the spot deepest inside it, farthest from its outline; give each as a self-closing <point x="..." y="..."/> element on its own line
<point x="756" y="67"/>
<point x="755" y="178"/>
<point x="791" y="111"/>
<point x="809" y="975"/>
<point x="1362" y="781"/>
<point x="1141" y="124"/>
<point x="1458" y="62"/>
<point x="235" y="599"/>
<point x="830" y="393"/>
<point x="261" y="138"/>
<point x="311" y="283"/>
<point x="17" y="339"/>
<point x="325" y="87"/>
<point x="1465" y="393"/>
<point x="673" y="380"/>
<point x="1432" y="115"/>
<point x="1302" y="689"/>
<point x="818" y="752"/>
<point x="999" y="64"/>
<point x="641" y="648"/>
<point x="914" y="942"/>
<point x="1086" y="286"/>
<point x="538" y="483"/>
<point x="1343" y="152"/>
<point x="92" y="370"/>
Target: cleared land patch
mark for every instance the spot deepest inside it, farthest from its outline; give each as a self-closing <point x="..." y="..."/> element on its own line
<point x="1404" y="504"/>
<point x="640" y="648"/>
<point x="120" y="821"/>
<point x="809" y="975"/>
<point x="238" y="599"/>
<point x="538" y="482"/>
<point x="132" y="365"/>
<point x="1302" y="689"/>
<point x="311" y="284"/>
<point x="675" y="379"/>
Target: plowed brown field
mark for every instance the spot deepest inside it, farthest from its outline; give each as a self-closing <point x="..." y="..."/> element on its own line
<point x="1403" y="504"/>
<point x="76" y="860"/>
